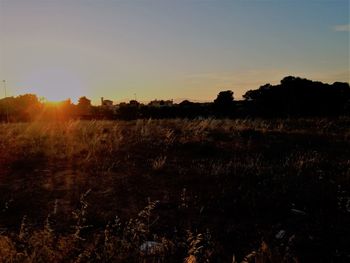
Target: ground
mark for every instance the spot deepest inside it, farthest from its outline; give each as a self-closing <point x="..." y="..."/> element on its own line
<point x="206" y="189"/>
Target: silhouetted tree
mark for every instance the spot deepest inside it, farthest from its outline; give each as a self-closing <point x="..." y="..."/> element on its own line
<point x="224" y="98"/>
<point x="84" y="102"/>
<point x="224" y="104"/>
<point x="295" y="96"/>
<point x="21" y="108"/>
<point x="84" y="107"/>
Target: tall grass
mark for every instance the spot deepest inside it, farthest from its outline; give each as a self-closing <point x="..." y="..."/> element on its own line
<point x="261" y="190"/>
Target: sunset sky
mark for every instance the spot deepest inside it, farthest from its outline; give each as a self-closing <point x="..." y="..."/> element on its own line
<point x="168" y="49"/>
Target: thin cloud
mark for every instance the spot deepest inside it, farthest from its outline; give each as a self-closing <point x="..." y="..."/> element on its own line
<point x="342" y="28"/>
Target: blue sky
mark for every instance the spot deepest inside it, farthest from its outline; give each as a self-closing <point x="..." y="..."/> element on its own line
<point x="168" y="49"/>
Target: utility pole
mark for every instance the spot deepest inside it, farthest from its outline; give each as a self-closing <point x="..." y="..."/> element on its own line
<point x="6" y="102"/>
<point x="4" y="82"/>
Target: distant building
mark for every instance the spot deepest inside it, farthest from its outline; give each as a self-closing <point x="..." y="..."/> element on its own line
<point x="134" y="103"/>
<point x="106" y="103"/>
<point x="161" y="103"/>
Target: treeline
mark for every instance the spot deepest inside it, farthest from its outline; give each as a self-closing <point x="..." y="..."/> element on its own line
<point x="293" y="97"/>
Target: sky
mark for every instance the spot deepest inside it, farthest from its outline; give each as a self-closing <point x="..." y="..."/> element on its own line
<point x="168" y="49"/>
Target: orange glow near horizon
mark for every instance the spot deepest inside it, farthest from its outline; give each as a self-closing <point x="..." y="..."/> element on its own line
<point x="53" y="84"/>
<point x="167" y="49"/>
<point x="54" y="103"/>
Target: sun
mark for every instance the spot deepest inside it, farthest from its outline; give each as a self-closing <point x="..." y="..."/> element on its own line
<point x="53" y="103"/>
<point x="53" y="99"/>
<point x="55" y="85"/>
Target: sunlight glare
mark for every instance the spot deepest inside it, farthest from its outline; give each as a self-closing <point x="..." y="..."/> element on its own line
<point x="54" y="85"/>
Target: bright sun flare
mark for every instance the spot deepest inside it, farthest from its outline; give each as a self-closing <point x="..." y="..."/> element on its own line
<point x="54" y="85"/>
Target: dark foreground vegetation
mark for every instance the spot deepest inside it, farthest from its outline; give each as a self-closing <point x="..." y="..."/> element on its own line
<point x="293" y="97"/>
<point x="200" y="190"/>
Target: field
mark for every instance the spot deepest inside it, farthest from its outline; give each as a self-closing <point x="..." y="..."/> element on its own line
<point x="176" y="190"/>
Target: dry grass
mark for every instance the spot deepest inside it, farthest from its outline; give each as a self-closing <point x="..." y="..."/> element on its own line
<point x="223" y="186"/>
